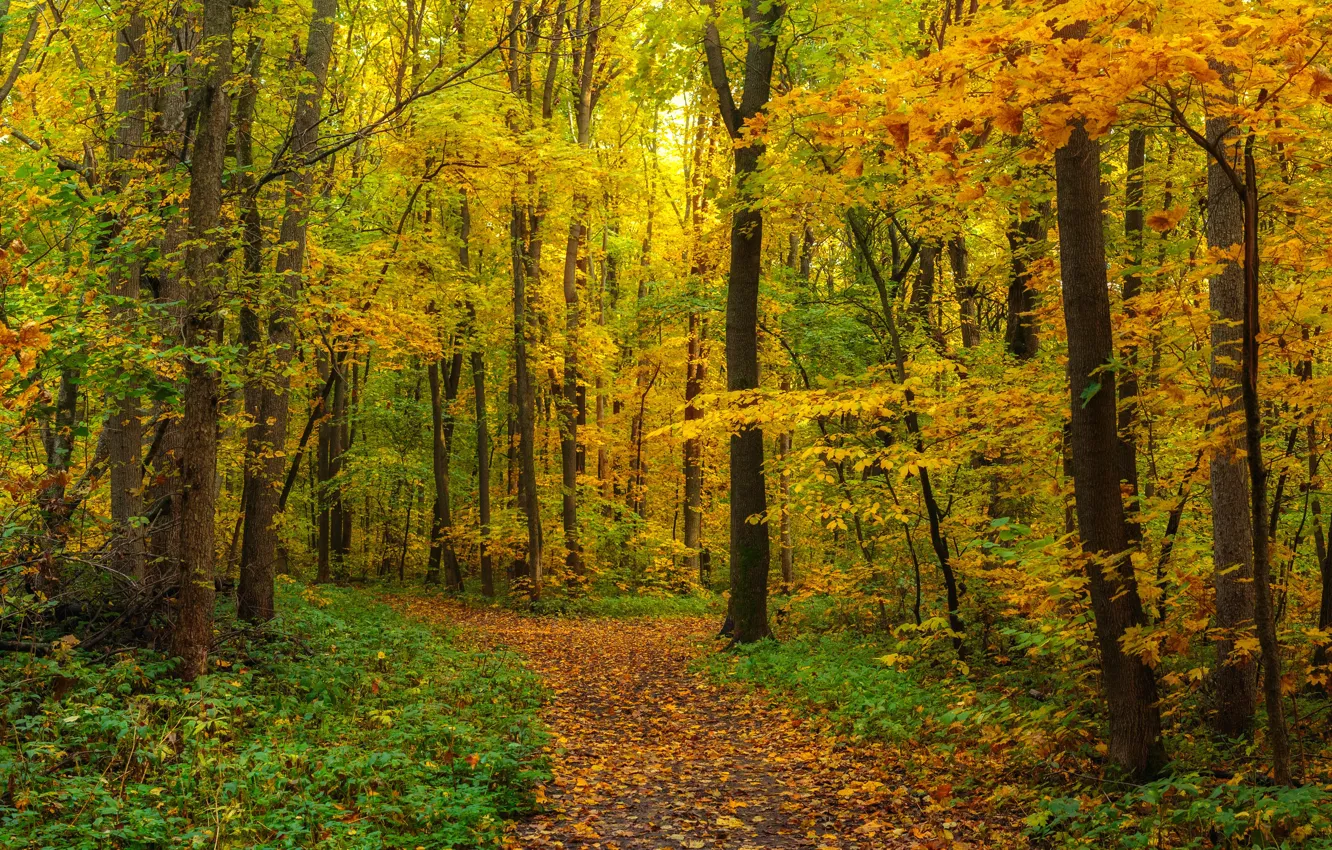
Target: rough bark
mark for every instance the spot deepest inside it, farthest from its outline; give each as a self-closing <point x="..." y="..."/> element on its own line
<point x="192" y="631"/>
<point x="1235" y="679"/>
<point x="267" y="435"/>
<point x="124" y="420"/>
<point x="1130" y="685"/>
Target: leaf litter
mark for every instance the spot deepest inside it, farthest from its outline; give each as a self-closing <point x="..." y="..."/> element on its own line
<point x="647" y="753"/>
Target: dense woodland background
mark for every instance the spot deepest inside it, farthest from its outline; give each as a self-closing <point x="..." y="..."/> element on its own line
<point x="984" y="341"/>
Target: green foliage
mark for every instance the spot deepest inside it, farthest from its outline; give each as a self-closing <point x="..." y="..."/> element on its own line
<point x="352" y="728"/>
<point x="1188" y="811"/>
<point x="700" y="604"/>
<point x="842" y="677"/>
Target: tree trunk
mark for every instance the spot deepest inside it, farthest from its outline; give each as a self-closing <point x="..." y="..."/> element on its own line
<point x="1026" y="239"/>
<point x="525" y="401"/>
<point x="574" y="404"/>
<point x="1128" y="376"/>
<point x="1130" y="685"/>
<point x="749" y="501"/>
<point x="192" y="634"/>
<point x="442" y="550"/>
<point x="478" y="364"/>
<point x="124" y="423"/>
<point x="1235" y="679"/>
<point x="784" y="526"/>
<point x="266" y="439"/>
<point x="695" y="371"/>
<point x="958" y="261"/>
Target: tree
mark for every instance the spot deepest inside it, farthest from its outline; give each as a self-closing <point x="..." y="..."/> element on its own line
<point x="749" y="501"/>
<point x="1130" y="685"/>
<point x="192" y="632"/>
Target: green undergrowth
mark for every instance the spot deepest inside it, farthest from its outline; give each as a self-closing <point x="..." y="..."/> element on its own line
<point x="558" y="602"/>
<point x="1025" y="752"/>
<point x="345" y="726"/>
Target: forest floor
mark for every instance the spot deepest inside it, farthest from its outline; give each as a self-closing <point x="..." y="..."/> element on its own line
<point x="647" y="752"/>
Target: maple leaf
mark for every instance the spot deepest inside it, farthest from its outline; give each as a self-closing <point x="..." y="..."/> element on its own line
<point x="1163" y="221"/>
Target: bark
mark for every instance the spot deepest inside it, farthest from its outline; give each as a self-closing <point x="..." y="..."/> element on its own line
<point x="525" y="402"/>
<point x="749" y="502"/>
<point x="192" y="633"/>
<point x="1235" y="680"/>
<point x="1263" y="614"/>
<point x="266" y="438"/>
<point x="574" y="404"/>
<point x="784" y="525"/>
<point x="478" y="364"/>
<point x="695" y="360"/>
<point x="1128" y="382"/>
<point x="922" y="293"/>
<point x="1135" y="723"/>
<point x="173" y="136"/>
<point x="1026" y="240"/>
<point x="695" y="372"/>
<point x="967" y="294"/>
<point x="124" y="420"/>
<point x="442" y="551"/>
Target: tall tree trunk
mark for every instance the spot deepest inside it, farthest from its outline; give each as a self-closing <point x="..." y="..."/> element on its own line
<point x="124" y="423"/>
<point x="784" y="525"/>
<point x="266" y="438"/>
<point x="323" y="474"/>
<point x="1235" y="678"/>
<point x="749" y="501"/>
<point x="574" y="405"/>
<point x="172" y="134"/>
<point x="192" y="634"/>
<point x="1128" y="376"/>
<point x="525" y="401"/>
<point x="1264" y="615"/>
<point x="1130" y="684"/>
<point x="695" y="371"/>
<point x="478" y="365"/>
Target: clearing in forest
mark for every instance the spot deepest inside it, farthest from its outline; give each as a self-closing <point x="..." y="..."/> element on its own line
<point x="647" y="753"/>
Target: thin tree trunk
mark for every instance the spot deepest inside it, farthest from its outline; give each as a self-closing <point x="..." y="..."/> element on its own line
<point x="574" y="405"/>
<point x="124" y="421"/>
<point x="1235" y="679"/>
<point x="271" y="399"/>
<point x="1128" y="376"/>
<point x="958" y="261"/>
<point x="1026" y="240"/>
<point x="695" y="372"/>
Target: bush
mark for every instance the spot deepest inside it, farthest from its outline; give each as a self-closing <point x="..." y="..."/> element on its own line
<point x="347" y="726"/>
<point x="1188" y="811"/>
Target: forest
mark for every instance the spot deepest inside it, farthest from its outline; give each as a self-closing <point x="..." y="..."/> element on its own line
<point x="749" y="424"/>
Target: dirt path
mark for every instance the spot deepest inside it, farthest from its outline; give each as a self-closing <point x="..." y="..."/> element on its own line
<point x="647" y="754"/>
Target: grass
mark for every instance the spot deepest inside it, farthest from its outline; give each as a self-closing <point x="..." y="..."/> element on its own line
<point x="612" y="603"/>
<point x="1020" y="743"/>
<point x="348" y="726"/>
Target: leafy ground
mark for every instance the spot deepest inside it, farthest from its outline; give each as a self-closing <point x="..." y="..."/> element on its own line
<point x="344" y="726"/>
<point x="649" y="753"/>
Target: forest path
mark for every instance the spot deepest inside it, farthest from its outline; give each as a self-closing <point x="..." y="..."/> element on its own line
<point x="648" y="754"/>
